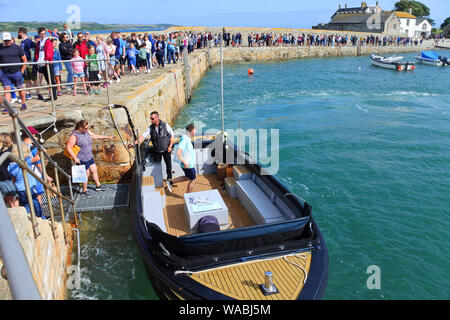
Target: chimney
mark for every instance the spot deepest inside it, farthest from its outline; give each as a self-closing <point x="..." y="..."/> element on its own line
<point x="339" y="7"/>
<point x="410" y="10"/>
<point x="378" y="2"/>
<point x="345" y="6"/>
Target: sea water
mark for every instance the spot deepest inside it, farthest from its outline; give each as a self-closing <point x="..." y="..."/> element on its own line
<point x="368" y="148"/>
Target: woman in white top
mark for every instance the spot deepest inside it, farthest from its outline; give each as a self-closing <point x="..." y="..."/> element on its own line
<point x="148" y="49"/>
<point x="111" y="48"/>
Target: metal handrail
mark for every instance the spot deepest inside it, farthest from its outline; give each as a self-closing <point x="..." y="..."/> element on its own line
<point x="20" y="279"/>
<point x="23" y="165"/>
<point x="48" y="86"/>
<point x="18" y="123"/>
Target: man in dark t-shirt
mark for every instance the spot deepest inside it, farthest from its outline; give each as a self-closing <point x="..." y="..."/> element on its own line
<point x="12" y="75"/>
<point x="29" y="47"/>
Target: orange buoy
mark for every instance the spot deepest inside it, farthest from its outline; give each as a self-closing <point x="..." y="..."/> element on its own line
<point x="250" y="71"/>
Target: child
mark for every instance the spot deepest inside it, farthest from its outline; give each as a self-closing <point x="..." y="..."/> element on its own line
<point x="93" y="68"/>
<point x="78" y="71"/>
<point x="16" y="172"/>
<point x="57" y="67"/>
<point x="143" y="57"/>
<point x="131" y="55"/>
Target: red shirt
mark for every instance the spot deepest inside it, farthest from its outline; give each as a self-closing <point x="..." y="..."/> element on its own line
<point x="82" y="48"/>
<point x="48" y="50"/>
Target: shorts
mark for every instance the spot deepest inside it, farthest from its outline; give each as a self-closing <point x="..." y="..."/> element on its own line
<point x="122" y="61"/>
<point x="190" y="173"/>
<point x="79" y="75"/>
<point x="87" y="164"/>
<point x="39" y="188"/>
<point x="93" y="76"/>
<point x="113" y="62"/>
<point x="7" y="188"/>
<point x="8" y="79"/>
<point x="30" y="74"/>
<point x="56" y="70"/>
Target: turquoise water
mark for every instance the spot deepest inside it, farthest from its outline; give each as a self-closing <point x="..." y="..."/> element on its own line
<point x="111" y="265"/>
<point x="368" y="148"/>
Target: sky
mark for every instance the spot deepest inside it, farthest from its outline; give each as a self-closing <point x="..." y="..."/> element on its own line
<point x="212" y="13"/>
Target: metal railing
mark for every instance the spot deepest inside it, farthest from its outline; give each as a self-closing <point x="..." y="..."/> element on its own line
<point x="20" y="279"/>
<point x="52" y="83"/>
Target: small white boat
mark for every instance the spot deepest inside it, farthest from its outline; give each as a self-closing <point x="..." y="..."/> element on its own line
<point x="392" y="63"/>
<point x="432" y="59"/>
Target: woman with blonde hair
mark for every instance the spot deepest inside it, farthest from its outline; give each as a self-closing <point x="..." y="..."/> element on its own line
<point x="7" y="186"/>
<point x="102" y="53"/>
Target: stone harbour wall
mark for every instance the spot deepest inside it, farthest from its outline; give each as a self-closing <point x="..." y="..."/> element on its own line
<point x="167" y="94"/>
<point x="47" y="257"/>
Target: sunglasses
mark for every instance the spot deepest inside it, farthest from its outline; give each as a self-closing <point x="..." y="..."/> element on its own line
<point x="152" y="119"/>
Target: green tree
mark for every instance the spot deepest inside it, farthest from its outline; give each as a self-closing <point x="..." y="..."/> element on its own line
<point x="418" y="8"/>
<point x="446" y="23"/>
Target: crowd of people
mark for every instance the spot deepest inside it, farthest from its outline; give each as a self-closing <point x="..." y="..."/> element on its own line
<point x="82" y="55"/>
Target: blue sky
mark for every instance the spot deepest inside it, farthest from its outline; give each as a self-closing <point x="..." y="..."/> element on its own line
<point x="216" y="13"/>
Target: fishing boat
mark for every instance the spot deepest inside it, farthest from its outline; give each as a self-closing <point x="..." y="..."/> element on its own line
<point x="392" y="63"/>
<point x="432" y="59"/>
<point x="265" y="243"/>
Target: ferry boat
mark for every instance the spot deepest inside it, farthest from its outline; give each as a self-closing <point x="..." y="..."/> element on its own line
<point x="268" y="246"/>
<point x="432" y="59"/>
<point x="391" y="63"/>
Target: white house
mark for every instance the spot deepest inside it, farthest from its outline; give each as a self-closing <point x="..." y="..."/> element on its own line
<point x="412" y="26"/>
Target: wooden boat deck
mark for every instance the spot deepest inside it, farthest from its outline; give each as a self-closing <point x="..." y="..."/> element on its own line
<point x="239" y="281"/>
<point x="174" y="215"/>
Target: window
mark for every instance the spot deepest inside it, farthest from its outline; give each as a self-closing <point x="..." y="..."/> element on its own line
<point x="424" y="27"/>
<point x="407" y="22"/>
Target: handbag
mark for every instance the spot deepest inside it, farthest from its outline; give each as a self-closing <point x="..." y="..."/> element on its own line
<point x="79" y="174"/>
<point x="76" y="149"/>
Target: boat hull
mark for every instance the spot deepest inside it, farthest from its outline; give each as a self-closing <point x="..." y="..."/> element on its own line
<point x="377" y="61"/>
<point x="436" y="63"/>
<point x="169" y="286"/>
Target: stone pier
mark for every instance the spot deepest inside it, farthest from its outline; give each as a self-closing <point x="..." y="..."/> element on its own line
<point x="162" y="90"/>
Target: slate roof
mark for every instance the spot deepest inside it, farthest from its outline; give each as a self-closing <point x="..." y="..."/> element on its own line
<point x="356" y="18"/>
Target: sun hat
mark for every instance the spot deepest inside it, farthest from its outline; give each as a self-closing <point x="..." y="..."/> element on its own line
<point x="6" y="36"/>
<point x="32" y="130"/>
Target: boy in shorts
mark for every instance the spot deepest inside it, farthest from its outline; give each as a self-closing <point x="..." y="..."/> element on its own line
<point x="186" y="155"/>
<point x="93" y="68"/>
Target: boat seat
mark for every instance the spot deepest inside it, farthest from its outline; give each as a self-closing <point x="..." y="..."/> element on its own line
<point x="152" y="204"/>
<point x="257" y="203"/>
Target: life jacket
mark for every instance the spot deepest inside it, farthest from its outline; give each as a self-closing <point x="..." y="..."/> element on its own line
<point x="160" y="140"/>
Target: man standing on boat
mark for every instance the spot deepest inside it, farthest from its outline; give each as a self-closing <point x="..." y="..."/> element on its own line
<point x="162" y="137"/>
<point x="186" y="155"/>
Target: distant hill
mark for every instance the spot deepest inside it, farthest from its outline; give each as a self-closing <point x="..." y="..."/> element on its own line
<point x="91" y="26"/>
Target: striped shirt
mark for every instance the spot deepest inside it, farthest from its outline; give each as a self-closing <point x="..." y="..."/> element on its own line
<point x="84" y="141"/>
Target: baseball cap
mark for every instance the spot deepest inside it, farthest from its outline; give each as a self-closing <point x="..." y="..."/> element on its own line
<point x="6" y="36"/>
<point x="32" y="130"/>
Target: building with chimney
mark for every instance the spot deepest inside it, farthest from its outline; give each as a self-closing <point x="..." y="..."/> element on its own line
<point x="365" y="18"/>
<point x="413" y="26"/>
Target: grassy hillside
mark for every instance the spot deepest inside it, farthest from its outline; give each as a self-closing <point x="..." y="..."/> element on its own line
<point x="91" y="26"/>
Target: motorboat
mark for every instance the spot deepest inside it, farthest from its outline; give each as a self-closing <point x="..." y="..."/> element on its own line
<point x="433" y="59"/>
<point x="265" y="244"/>
<point x="268" y="247"/>
<point x="392" y="63"/>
